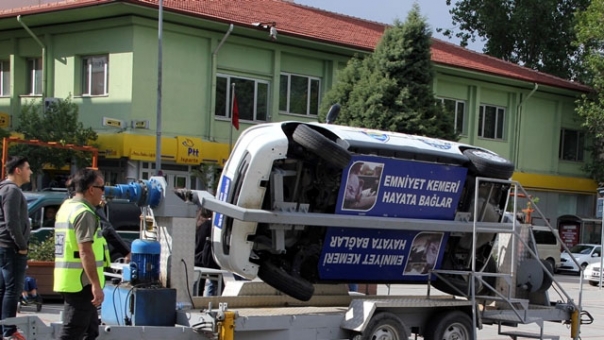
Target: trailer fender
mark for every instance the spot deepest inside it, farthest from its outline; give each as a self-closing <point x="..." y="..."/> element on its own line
<point x="365" y="314"/>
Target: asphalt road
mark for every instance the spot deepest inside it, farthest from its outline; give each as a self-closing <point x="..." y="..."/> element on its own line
<point x="592" y="301"/>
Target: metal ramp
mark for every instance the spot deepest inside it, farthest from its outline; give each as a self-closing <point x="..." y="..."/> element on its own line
<point x="514" y="300"/>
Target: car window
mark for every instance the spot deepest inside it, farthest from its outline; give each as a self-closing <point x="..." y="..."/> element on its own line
<point x="598" y="251"/>
<point x="581" y="249"/>
<point x="544" y="237"/>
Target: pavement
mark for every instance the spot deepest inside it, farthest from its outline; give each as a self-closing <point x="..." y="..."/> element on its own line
<point x="592" y="300"/>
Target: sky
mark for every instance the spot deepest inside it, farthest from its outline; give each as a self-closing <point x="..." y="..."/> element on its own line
<point x="386" y="11"/>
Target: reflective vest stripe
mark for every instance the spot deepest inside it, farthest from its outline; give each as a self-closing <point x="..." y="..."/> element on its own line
<point x="77" y="265"/>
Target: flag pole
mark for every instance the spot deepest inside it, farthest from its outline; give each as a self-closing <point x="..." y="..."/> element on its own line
<point x="231" y="129"/>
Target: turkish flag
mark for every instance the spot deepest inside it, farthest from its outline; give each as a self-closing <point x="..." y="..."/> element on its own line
<point x="235" y="113"/>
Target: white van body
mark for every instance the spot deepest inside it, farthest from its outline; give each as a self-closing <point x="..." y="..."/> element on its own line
<point x="307" y="167"/>
<point x="548" y="244"/>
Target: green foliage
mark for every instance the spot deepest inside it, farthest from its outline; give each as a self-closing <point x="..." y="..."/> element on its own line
<point x="42" y="250"/>
<point x="391" y="89"/>
<point x="590" y="38"/>
<point x="58" y="123"/>
<point x="538" y="34"/>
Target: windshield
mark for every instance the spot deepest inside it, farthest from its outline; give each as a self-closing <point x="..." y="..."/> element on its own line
<point x="581" y="249"/>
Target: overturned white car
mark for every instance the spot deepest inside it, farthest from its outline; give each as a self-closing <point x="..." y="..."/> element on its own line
<point x="355" y="174"/>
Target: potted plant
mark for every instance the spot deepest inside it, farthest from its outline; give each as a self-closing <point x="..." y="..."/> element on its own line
<point x="41" y="264"/>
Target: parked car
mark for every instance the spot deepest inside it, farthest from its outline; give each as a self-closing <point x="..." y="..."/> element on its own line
<point x="548" y="245"/>
<point x="584" y="253"/>
<point x="124" y="216"/>
<point x="592" y="273"/>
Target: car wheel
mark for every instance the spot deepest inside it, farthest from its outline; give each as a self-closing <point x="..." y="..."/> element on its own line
<point x="384" y="325"/>
<point x="321" y="146"/>
<point x="487" y="164"/>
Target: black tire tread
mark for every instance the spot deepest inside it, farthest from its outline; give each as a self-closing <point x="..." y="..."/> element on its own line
<point x="488" y="168"/>
<point x="322" y="146"/>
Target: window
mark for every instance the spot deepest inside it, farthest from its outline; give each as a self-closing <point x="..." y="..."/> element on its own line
<point x="95" y="78"/>
<point x="4" y="78"/>
<point x="299" y="94"/>
<point x="34" y="76"/>
<point x="490" y="122"/>
<point x="571" y="145"/>
<point x="458" y="109"/>
<point x="251" y="94"/>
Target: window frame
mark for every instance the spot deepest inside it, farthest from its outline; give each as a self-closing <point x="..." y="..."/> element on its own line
<point x="228" y="99"/>
<point x="309" y="95"/>
<point x="464" y="114"/>
<point x="481" y="118"/>
<point x="4" y="86"/>
<point x="87" y="76"/>
<point x="32" y="84"/>
<point x="579" y="155"/>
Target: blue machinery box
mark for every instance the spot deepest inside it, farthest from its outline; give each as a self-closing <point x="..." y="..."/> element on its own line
<point x="125" y="304"/>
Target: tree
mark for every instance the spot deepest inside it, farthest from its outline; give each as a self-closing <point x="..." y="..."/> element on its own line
<point x="538" y="34"/>
<point x="590" y="39"/>
<point x="58" y="123"/>
<point x="391" y="89"/>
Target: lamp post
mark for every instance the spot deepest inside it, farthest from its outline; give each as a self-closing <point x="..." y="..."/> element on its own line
<point x="160" y="26"/>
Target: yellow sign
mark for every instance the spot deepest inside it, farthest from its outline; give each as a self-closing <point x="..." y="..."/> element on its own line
<point x="4" y="120"/>
<point x="188" y="150"/>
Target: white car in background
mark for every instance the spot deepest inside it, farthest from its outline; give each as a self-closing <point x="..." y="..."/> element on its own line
<point x="592" y="273"/>
<point x="584" y="253"/>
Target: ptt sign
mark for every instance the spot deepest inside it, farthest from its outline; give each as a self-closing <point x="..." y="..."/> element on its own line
<point x="192" y="151"/>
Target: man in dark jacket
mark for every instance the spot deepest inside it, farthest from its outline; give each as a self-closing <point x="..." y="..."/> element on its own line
<point x="203" y="248"/>
<point x="14" y="236"/>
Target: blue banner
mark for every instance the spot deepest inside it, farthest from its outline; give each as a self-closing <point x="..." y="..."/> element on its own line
<point x="223" y="194"/>
<point x="378" y="186"/>
<point x="351" y="254"/>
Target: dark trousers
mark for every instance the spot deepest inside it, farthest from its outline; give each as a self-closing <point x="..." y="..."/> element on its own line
<point x="80" y="316"/>
<point x="12" y="266"/>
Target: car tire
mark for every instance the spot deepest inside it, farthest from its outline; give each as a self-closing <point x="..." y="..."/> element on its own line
<point x="487" y="164"/>
<point x="284" y="282"/>
<point x="321" y="146"/>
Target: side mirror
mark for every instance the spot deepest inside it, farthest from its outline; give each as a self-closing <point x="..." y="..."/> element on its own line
<point x="333" y="113"/>
<point x="595" y="255"/>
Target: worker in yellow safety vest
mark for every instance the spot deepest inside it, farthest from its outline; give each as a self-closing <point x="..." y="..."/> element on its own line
<point x="81" y="253"/>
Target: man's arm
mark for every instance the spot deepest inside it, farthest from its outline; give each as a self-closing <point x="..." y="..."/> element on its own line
<point x="89" y="264"/>
<point x="12" y="215"/>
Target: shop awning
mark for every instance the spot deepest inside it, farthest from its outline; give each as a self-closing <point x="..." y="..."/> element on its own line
<point x="179" y="149"/>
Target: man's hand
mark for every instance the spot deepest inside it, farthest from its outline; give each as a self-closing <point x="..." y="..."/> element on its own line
<point x="127" y="258"/>
<point x="97" y="295"/>
<point x="23" y="252"/>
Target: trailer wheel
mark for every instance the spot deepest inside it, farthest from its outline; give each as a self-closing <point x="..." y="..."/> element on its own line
<point x="487" y="164"/>
<point x="279" y="279"/>
<point x="322" y="146"/>
<point x="450" y="325"/>
<point x="384" y="326"/>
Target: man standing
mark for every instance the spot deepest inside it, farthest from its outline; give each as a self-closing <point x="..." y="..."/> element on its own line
<point x="80" y="255"/>
<point x="14" y="235"/>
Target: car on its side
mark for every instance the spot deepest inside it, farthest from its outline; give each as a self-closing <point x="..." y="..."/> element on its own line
<point x="339" y="170"/>
<point x="584" y="254"/>
<point x="592" y="273"/>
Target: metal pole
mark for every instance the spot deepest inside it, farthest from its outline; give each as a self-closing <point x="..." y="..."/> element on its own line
<point x="231" y="129"/>
<point x="601" y="245"/>
<point x="160" y="28"/>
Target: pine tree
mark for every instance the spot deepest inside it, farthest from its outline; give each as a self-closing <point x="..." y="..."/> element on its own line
<point x="391" y="89"/>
